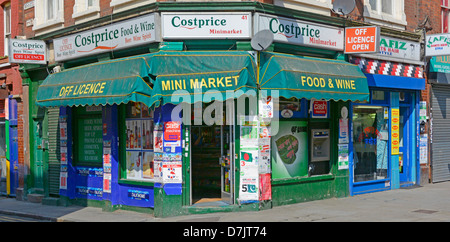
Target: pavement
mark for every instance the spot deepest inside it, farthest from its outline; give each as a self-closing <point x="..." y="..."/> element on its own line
<point x="428" y="203"/>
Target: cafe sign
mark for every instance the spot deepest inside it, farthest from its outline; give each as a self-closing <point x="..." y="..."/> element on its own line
<point x="298" y="32"/>
<point x="206" y="25"/>
<point x="121" y="35"/>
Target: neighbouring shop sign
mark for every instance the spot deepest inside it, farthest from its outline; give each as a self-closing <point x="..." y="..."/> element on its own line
<point x="362" y="39"/>
<point x="298" y="32"/>
<point x="398" y="50"/>
<point x="206" y="25"/>
<point x="134" y="32"/>
<point x="440" y="64"/>
<point x="27" y="51"/>
<point x="437" y="44"/>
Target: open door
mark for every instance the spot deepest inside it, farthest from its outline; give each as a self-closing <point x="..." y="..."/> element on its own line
<point x="227" y="158"/>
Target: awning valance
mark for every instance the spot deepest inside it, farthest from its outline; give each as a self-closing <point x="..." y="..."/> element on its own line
<point x="108" y="82"/>
<point x="307" y="77"/>
<point x="191" y="76"/>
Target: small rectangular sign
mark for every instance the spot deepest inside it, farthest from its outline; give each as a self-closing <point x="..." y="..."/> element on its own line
<point x="27" y="51"/>
<point x="362" y="39"/>
<point x="206" y="25"/>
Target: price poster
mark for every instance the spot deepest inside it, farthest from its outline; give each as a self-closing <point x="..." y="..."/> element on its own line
<point x="395" y="131"/>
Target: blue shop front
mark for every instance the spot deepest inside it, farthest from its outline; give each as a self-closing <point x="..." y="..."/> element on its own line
<point x="385" y="132"/>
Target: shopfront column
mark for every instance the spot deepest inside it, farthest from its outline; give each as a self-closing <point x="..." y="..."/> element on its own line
<point x="395" y="114"/>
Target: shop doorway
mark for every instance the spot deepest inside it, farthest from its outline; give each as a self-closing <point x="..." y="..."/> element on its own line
<point x="405" y="146"/>
<point x="212" y="163"/>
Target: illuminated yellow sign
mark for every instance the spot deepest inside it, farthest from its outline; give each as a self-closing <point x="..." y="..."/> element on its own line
<point x="82" y="89"/>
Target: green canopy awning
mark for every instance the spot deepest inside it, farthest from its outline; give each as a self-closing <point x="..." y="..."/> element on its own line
<point x="307" y="77"/>
<point x="108" y="82"/>
<point x="191" y="76"/>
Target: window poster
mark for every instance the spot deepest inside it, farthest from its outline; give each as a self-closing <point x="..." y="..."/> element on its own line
<point x="90" y="139"/>
<point x="147" y="165"/>
<point x="134" y="165"/>
<point x="290" y="150"/>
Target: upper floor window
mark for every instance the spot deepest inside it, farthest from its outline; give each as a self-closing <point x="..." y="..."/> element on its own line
<point x="82" y="8"/>
<point x="385" y="12"/>
<point x="7" y="26"/>
<point x="48" y="13"/>
<point x="313" y="6"/>
<point x="445" y="10"/>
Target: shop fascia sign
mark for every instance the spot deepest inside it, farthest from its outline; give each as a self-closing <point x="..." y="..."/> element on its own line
<point x="125" y="34"/>
<point x="437" y="44"/>
<point x="201" y="25"/>
<point x="27" y="51"/>
<point x="298" y="32"/>
<point x="394" y="49"/>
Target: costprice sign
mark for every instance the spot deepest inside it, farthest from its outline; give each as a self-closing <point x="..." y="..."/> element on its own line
<point x="298" y="32"/>
<point x="362" y="40"/>
<point x="27" y="51"/>
<point x="206" y="25"/>
<point x="121" y="35"/>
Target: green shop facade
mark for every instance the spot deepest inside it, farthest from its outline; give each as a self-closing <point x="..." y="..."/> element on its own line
<point x="173" y="112"/>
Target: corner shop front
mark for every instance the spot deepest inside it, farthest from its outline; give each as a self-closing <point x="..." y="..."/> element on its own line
<point x="105" y="162"/>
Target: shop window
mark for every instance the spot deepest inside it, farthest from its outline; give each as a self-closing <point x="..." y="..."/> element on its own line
<point x="139" y="142"/>
<point x="88" y="136"/>
<point x="370" y="143"/>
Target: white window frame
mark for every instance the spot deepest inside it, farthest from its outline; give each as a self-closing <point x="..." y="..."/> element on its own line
<point x="81" y="8"/>
<point x="122" y="5"/>
<point x="314" y="6"/>
<point x="41" y="14"/>
<point x="396" y="20"/>
<point x="6" y="35"/>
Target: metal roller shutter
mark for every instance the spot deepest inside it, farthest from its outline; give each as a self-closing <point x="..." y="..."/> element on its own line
<point x="54" y="154"/>
<point x="440" y="148"/>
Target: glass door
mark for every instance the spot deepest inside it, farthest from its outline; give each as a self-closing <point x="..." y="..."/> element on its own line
<point x="227" y="158"/>
<point x="370" y="143"/>
<point x="404" y="146"/>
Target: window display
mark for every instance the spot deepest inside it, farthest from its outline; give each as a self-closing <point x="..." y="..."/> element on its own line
<point x="139" y="142"/>
<point x="370" y="143"/>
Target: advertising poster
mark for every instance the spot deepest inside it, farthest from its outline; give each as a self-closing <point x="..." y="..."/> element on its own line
<point x="249" y="132"/>
<point x="134" y="165"/>
<point x="264" y="147"/>
<point x="172" y="136"/>
<point x="395" y="131"/>
<point x="147" y="165"/>
<point x="248" y="190"/>
<point x="290" y="150"/>
<point x="171" y="172"/>
<point x="265" y="188"/>
<point x="343" y="156"/>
